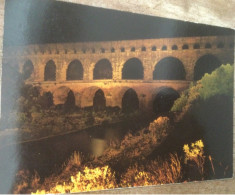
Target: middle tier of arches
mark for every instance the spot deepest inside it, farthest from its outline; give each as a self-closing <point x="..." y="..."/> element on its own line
<point x="169" y="68"/>
<point x="133" y="68"/>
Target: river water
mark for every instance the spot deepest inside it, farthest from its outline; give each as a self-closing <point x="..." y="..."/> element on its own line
<point x="46" y="156"/>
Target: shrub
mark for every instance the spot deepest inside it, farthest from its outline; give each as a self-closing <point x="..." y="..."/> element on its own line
<point x="89" y="179"/>
<point x="180" y="102"/>
<point x="159" y="171"/>
<point x="74" y="160"/>
<point x="167" y="170"/>
<point x="194" y="154"/>
<point x="136" y="176"/>
<point x="219" y="82"/>
<point x="25" y="180"/>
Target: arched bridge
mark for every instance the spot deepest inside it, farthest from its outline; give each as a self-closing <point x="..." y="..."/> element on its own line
<point x="119" y="71"/>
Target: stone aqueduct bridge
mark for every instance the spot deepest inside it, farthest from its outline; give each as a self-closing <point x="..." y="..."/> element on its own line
<point x="146" y="66"/>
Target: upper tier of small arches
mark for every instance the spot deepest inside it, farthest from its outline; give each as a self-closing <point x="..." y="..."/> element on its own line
<point x="219" y="45"/>
<point x="148" y="45"/>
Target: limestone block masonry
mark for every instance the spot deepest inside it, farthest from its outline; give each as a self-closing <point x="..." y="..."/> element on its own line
<point x="187" y="50"/>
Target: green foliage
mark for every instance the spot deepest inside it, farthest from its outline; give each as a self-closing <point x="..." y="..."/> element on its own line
<point x="180" y="102"/>
<point x="187" y="98"/>
<point x="219" y="82"/>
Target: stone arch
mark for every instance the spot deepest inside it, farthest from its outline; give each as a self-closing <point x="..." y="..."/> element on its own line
<point x="164" y="48"/>
<point x="74" y="71"/>
<point x="205" y="64"/>
<point x="169" y="68"/>
<point x="99" y="101"/>
<point x="102" y="50"/>
<point x="103" y="70"/>
<point x="196" y="46"/>
<point x="133" y="69"/>
<point x="208" y="46"/>
<point x="130" y="101"/>
<point x="133" y="49"/>
<point x="174" y="47"/>
<point x="70" y="102"/>
<point x="164" y="100"/>
<point x="117" y="95"/>
<point x="28" y="69"/>
<point x="50" y="71"/>
<point x="88" y="95"/>
<point x="154" y="48"/>
<point x="60" y="95"/>
<point x="185" y="46"/>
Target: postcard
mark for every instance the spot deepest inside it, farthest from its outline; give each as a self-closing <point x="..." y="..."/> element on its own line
<point x="96" y="99"/>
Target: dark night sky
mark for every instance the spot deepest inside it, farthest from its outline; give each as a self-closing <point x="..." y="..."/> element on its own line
<point x="47" y="21"/>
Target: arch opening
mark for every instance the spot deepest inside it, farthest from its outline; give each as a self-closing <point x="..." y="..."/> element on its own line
<point x="133" y="69"/>
<point x="208" y="45"/>
<point x="174" y="47"/>
<point x="164" y="48"/>
<point x="185" y="46"/>
<point x="169" y="68"/>
<point x="28" y="69"/>
<point x="154" y="48"/>
<point x="205" y="64"/>
<point x="102" y="50"/>
<point x="74" y="71"/>
<point x="50" y="71"/>
<point x="99" y="101"/>
<point x="103" y="70"/>
<point x="196" y="46"/>
<point x="164" y="101"/>
<point x="130" y="101"/>
<point x="70" y="101"/>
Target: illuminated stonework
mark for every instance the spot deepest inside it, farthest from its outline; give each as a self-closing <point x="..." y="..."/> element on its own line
<point x="146" y="66"/>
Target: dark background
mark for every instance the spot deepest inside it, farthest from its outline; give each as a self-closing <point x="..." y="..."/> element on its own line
<point x="48" y="21"/>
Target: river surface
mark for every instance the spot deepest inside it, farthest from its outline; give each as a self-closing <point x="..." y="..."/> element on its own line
<point x="46" y="156"/>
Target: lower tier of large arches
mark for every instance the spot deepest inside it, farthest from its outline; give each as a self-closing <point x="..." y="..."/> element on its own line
<point x="150" y="97"/>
